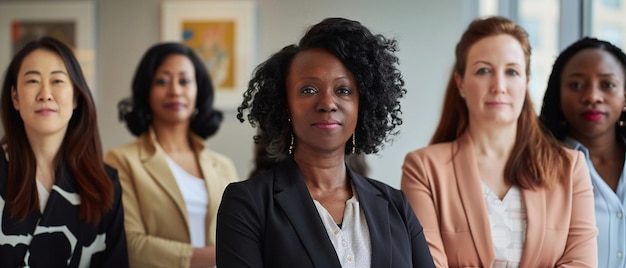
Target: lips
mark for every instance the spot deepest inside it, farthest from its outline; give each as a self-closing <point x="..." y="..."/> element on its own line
<point x="592" y="115"/>
<point x="175" y="105"/>
<point x="327" y="124"/>
<point x="45" y="111"/>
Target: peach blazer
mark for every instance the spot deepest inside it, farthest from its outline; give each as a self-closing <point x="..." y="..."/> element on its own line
<point x="442" y="184"/>
<point x="155" y="216"/>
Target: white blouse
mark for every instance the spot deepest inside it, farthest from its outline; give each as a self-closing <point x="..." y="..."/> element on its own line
<point x="196" y="200"/>
<point x="351" y="241"/>
<point x="507" y="219"/>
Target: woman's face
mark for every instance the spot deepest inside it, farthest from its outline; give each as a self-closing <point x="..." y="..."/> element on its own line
<point x="494" y="83"/>
<point x="44" y="94"/>
<point x="592" y="93"/>
<point x="173" y="92"/>
<point x="323" y="100"/>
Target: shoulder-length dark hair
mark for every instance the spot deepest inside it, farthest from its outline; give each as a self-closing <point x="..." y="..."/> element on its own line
<point x="536" y="159"/>
<point x="551" y="114"/>
<point x="80" y="152"/>
<point x="136" y="111"/>
<point x="370" y="58"/>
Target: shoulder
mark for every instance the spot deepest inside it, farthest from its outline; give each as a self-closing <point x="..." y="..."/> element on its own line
<point x="381" y="189"/>
<point x="433" y="152"/>
<point x="219" y="158"/>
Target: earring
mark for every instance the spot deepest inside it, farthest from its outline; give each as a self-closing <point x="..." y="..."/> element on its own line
<point x="291" y="145"/>
<point x="621" y="123"/>
<point x="353" y="143"/>
<point x="462" y="95"/>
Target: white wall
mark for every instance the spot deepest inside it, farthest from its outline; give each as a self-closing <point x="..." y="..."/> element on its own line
<point x="427" y="31"/>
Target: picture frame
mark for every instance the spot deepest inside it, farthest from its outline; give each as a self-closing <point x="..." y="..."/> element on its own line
<point x="221" y="33"/>
<point x="71" y="22"/>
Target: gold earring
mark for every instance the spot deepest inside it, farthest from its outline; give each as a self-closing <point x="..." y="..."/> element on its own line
<point x="353" y="143"/>
<point x="291" y="145"/>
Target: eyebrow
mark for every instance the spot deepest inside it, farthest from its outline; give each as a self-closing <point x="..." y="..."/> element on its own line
<point x="488" y="63"/>
<point x="602" y="75"/>
<point x="38" y="73"/>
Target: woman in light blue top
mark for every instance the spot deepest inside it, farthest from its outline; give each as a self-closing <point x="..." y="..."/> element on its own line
<point x="584" y="106"/>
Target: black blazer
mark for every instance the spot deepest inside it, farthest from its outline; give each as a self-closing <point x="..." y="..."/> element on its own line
<point x="271" y="221"/>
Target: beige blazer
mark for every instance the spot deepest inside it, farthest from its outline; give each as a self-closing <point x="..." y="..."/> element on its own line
<point x="443" y="186"/>
<point x="155" y="217"/>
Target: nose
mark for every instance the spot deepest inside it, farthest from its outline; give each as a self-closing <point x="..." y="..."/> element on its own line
<point x="174" y="88"/>
<point x="498" y="83"/>
<point x="326" y="101"/>
<point x="592" y="94"/>
<point x="45" y="94"/>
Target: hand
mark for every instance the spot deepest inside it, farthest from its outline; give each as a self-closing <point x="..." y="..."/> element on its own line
<point x="203" y="257"/>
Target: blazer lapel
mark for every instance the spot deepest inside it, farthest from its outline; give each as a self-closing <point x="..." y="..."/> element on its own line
<point x="468" y="181"/>
<point x="294" y="198"/>
<point x="212" y="179"/>
<point x="535" y="226"/>
<point x="376" y="214"/>
<point x="153" y="158"/>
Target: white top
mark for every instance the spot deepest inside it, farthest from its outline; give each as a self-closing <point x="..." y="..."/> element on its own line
<point x="507" y="219"/>
<point x="43" y="195"/>
<point x="196" y="200"/>
<point x="351" y="241"/>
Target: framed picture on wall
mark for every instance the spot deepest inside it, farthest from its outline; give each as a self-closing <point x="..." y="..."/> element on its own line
<point x="221" y="33"/>
<point x="70" y="22"/>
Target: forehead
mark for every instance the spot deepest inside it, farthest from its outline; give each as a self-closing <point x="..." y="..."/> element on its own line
<point x="315" y="61"/>
<point x="42" y="60"/>
<point x="501" y="47"/>
<point x="594" y="60"/>
<point x="176" y="62"/>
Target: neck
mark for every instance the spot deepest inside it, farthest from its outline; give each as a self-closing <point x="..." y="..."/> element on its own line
<point x="45" y="149"/>
<point x="322" y="171"/>
<point x="493" y="142"/>
<point x="605" y="146"/>
<point x="172" y="138"/>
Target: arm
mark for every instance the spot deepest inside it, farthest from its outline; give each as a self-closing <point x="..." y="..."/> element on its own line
<point x="239" y="229"/>
<point x="581" y="249"/>
<point x="415" y="184"/>
<point x="419" y="247"/>
<point x="116" y="254"/>
<point x="143" y="249"/>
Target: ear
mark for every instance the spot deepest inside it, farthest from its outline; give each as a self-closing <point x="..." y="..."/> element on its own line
<point x="459" y="83"/>
<point x="16" y="104"/>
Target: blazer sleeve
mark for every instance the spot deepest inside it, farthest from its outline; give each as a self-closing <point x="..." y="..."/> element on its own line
<point x="239" y="228"/>
<point x="116" y="254"/>
<point x="419" y="247"/>
<point x="581" y="247"/>
<point x="415" y="183"/>
<point x="144" y="250"/>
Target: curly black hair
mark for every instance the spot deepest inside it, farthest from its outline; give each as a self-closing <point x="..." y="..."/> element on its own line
<point x="370" y="58"/>
<point x="136" y="111"/>
<point x="551" y="113"/>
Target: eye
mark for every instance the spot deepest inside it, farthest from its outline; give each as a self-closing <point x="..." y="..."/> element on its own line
<point x="608" y="85"/>
<point x="184" y="81"/>
<point x="161" y="82"/>
<point x="57" y="81"/>
<point x="482" y="71"/>
<point x="343" y="91"/>
<point x="32" y="81"/>
<point x="308" y="90"/>
<point x="512" y="72"/>
<point x="576" y="85"/>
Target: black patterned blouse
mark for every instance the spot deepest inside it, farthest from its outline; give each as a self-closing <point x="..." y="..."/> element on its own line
<point x="58" y="238"/>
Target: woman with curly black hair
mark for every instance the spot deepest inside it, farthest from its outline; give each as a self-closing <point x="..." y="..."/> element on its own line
<point x="584" y="107"/>
<point x="335" y="93"/>
<point x="172" y="183"/>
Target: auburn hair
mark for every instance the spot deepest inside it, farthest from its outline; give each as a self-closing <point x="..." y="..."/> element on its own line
<point x="80" y="153"/>
<point x="536" y="159"/>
